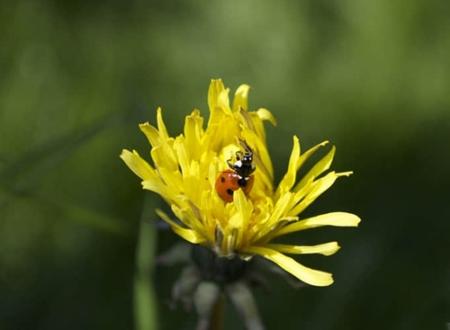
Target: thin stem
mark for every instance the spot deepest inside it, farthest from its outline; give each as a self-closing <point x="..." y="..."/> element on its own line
<point x="217" y="315"/>
<point x="144" y="297"/>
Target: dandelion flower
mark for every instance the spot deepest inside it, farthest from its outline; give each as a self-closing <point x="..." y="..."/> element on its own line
<point x="185" y="168"/>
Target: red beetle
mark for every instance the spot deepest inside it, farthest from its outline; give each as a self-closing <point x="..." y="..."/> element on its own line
<point x="238" y="176"/>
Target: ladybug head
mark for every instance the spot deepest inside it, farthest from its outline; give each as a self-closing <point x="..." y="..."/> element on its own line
<point x="243" y="165"/>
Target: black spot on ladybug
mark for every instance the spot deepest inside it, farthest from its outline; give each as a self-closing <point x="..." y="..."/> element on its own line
<point x="222" y="179"/>
<point x="230" y="192"/>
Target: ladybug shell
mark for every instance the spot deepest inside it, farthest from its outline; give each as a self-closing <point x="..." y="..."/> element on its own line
<point x="229" y="181"/>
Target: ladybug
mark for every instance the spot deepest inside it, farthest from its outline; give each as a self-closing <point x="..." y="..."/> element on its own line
<point x="239" y="175"/>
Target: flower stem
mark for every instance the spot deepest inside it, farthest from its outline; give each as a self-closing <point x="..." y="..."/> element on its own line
<point x="144" y="296"/>
<point x="217" y="315"/>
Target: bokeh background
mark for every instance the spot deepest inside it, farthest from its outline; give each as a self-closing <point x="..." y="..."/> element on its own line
<point x="76" y="77"/>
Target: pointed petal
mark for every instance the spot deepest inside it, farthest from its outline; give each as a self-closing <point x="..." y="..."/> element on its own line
<point x="138" y="165"/>
<point x="320" y="167"/>
<point x="157" y="186"/>
<point x="276" y="215"/>
<point x="241" y="218"/>
<point x="295" y="163"/>
<point x="223" y="101"/>
<point x="188" y="234"/>
<point x="155" y="136"/>
<point x="305" y="274"/>
<point x="289" y="178"/>
<point x="241" y="98"/>
<point x="161" y="126"/>
<point x="151" y="133"/>
<point x="336" y="219"/>
<point x="182" y="155"/>
<point x="316" y="189"/>
<point x="215" y="88"/>
<point x="193" y="133"/>
<point x="326" y="249"/>
<point x="265" y="114"/>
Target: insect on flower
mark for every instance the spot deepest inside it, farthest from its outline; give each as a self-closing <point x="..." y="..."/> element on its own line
<point x="234" y="207"/>
<point x="239" y="175"/>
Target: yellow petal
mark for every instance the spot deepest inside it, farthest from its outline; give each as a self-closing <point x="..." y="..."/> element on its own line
<point x="305" y="274"/>
<point x="223" y="101"/>
<point x="314" y="190"/>
<point x="151" y="133"/>
<point x="276" y="215"/>
<point x="216" y="136"/>
<point x="182" y="155"/>
<point x="243" y="207"/>
<point x="336" y="219"/>
<point x="157" y="186"/>
<point x="243" y="211"/>
<point x="280" y="208"/>
<point x="318" y="168"/>
<point x="185" y="214"/>
<point x="155" y="136"/>
<point x="139" y="166"/>
<point x="265" y="114"/>
<point x="215" y="88"/>
<point x="164" y="156"/>
<point x="326" y="249"/>
<point x="188" y="234"/>
<point x="172" y="179"/>
<point x="193" y="133"/>
<point x="295" y="163"/>
<point x="161" y="126"/>
<point x="304" y="157"/>
<point x="241" y="98"/>
<point x="289" y="178"/>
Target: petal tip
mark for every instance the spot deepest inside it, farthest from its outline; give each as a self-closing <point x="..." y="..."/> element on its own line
<point x="346" y="174"/>
<point x="357" y="220"/>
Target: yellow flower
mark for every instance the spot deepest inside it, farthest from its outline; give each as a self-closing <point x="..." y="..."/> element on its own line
<point x="184" y="173"/>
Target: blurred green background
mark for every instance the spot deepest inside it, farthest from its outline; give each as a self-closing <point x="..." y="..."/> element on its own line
<point x="77" y="77"/>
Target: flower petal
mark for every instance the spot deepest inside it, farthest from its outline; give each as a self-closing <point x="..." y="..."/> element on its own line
<point x="318" y="168"/>
<point x="151" y="133"/>
<point x="193" y="133"/>
<point x="289" y="178"/>
<point x="265" y="114"/>
<point x="276" y="215"/>
<point x="241" y="217"/>
<point x="188" y="234"/>
<point x="336" y="219"/>
<point x="161" y="126"/>
<point x="313" y="191"/>
<point x="241" y="98"/>
<point x="157" y="186"/>
<point x="305" y="274"/>
<point x="138" y="165"/>
<point x="215" y="88"/>
<point x="296" y="161"/>
<point x="326" y="249"/>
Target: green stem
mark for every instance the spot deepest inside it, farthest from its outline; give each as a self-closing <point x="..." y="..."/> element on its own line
<point x="217" y="315"/>
<point x="144" y="302"/>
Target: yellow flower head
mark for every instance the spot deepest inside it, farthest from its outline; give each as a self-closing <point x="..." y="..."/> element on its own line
<point x="184" y="173"/>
